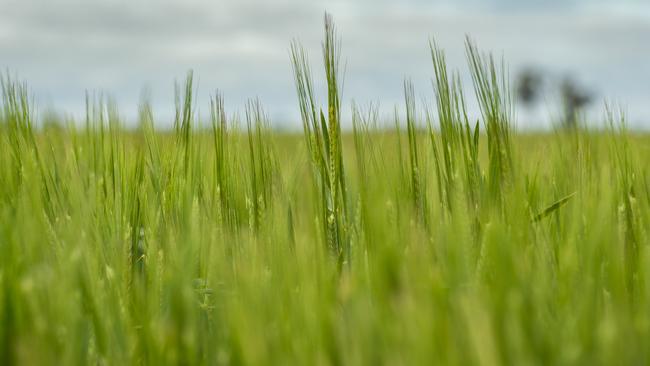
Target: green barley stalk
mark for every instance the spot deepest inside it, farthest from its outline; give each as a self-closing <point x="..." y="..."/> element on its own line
<point x="493" y="93"/>
<point x="417" y="189"/>
<point x="323" y="137"/>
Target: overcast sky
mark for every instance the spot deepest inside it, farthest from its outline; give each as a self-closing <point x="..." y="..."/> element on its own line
<point x="240" y="47"/>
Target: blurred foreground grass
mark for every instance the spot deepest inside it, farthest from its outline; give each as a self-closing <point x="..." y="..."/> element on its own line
<point x="239" y="245"/>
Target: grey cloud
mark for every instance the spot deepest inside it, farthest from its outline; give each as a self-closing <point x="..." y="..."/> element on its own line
<point x="241" y="47"/>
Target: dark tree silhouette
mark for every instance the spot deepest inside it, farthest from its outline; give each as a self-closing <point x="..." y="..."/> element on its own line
<point x="529" y="85"/>
<point x="574" y="99"/>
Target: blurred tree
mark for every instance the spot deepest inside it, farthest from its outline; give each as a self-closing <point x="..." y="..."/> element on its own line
<point x="529" y="86"/>
<point x="574" y="99"/>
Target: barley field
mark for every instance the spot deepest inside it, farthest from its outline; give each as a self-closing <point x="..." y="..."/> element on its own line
<point x="441" y="240"/>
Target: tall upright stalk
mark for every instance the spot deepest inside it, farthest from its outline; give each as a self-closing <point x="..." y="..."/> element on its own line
<point x="323" y="138"/>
